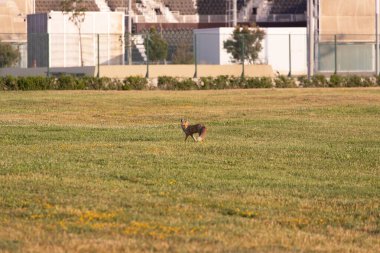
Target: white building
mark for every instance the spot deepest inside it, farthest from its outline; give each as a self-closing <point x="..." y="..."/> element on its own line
<point x="285" y="49"/>
<point x="54" y="40"/>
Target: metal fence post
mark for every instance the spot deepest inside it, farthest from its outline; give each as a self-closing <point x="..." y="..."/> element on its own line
<point x="48" y="56"/>
<point x="195" y="56"/>
<point x="377" y="6"/>
<point x="335" y="54"/>
<point x="147" y="55"/>
<point x="98" y="74"/>
<point x="290" y="55"/>
<point x="243" y="56"/>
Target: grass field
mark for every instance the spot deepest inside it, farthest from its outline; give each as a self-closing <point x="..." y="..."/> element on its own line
<point x="294" y="170"/>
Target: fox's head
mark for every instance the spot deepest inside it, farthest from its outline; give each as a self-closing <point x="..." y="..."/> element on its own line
<point x="184" y="123"/>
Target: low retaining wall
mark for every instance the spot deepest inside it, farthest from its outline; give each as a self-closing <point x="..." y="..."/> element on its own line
<point x="186" y="71"/>
<point x="122" y="71"/>
<point x="77" y="71"/>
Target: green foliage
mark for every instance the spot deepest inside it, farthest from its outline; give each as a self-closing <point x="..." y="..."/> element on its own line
<point x="258" y="82"/>
<point x="237" y="82"/>
<point x="91" y="83"/>
<point x="187" y="84"/>
<point x="2" y="83"/>
<point x="245" y="44"/>
<point x="377" y="80"/>
<point x="183" y="54"/>
<point x="358" y="81"/>
<point x="211" y="83"/>
<point x="354" y="81"/>
<point x="34" y="83"/>
<point x="135" y="83"/>
<point x="337" y="81"/>
<point x="9" y="56"/>
<point x="70" y="82"/>
<point x="368" y="81"/>
<point x="283" y="81"/>
<point x="304" y="81"/>
<point x="171" y="83"/>
<point x="319" y="81"/>
<point x="106" y="83"/>
<point x="206" y="83"/>
<point x="167" y="82"/>
<point x="155" y="46"/>
<point x="222" y="82"/>
<point x="10" y="83"/>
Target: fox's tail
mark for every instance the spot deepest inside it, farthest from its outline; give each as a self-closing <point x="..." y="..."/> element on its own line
<point x="202" y="134"/>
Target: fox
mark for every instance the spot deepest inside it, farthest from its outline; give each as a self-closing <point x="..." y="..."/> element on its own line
<point x="190" y="130"/>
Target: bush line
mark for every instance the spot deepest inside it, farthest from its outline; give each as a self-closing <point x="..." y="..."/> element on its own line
<point x="68" y="82"/>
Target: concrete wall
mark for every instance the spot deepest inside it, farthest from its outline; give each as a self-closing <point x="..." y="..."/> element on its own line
<point x="88" y="71"/>
<point x="210" y="43"/>
<point x="62" y="46"/>
<point x="275" y="48"/>
<point x="353" y="17"/>
<point x="185" y="71"/>
<point x="12" y="14"/>
<point x="352" y="24"/>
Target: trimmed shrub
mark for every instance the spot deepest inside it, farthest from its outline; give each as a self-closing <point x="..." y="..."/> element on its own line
<point x="68" y="82"/>
<point x="221" y="82"/>
<point x="186" y="84"/>
<point x="167" y="83"/>
<point x="303" y="81"/>
<point x="135" y="83"/>
<point x="377" y="80"/>
<point x="337" y="81"/>
<point x="172" y="83"/>
<point x="106" y="83"/>
<point x="10" y="83"/>
<point x="257" y="82"/>
<point x="266" y="82"/>
<point x="36" y="83"/>
<point x="23" y="83"/>
<point x="282" y="81"/>
<point x="2" y="83"/>
<point x="369" y="81"/>
<point x="319" y="81"/>
<point x="91" y="83"/>
<point x="27" y="83"/>
<point x="237" y="82"/>
<point x="206" y="83"/>
<point x="354" y="81"/>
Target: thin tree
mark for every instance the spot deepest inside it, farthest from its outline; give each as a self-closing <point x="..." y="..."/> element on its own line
<point x="245" y="44"/>
<point x="155" y="46"/>
<point x="9" y="56"/>
<point x="77" y="11"/>
<point x="184" y="53"/>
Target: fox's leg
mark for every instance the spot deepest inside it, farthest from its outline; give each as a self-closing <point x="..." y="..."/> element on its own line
<point x="194" y="138"/>
<point x="186" y="137"/>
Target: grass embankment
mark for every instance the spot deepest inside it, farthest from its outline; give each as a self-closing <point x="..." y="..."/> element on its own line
<point x="281" y="170"/>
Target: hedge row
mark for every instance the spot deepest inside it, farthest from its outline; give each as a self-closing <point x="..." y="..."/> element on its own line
<point x="68" y="82"/>
<point x="170" y="83"/>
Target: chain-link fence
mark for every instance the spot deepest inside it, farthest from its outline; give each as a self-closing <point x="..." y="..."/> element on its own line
<point x="345" y="53"/>
<point x="286" y="53"/>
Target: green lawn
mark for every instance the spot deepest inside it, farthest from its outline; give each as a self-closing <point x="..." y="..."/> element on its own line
<point x="293" y="170"/>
